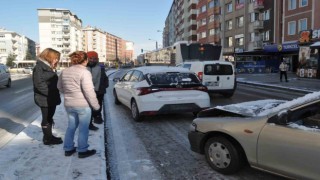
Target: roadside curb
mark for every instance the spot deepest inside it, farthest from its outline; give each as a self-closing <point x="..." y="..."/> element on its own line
<point x="276" y="87"/>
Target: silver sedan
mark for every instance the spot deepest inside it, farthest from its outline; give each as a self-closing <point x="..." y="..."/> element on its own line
<point x="282" y="137"/>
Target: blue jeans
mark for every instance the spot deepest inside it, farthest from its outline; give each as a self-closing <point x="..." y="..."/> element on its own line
<point x="78" y="117"/>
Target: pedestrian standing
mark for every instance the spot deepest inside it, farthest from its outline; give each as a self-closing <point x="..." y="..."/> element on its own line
<point x="283" y="71"/>
<point x="76" y="84"/>
<point x="46" y="93"/>
<point x="100" y="82"/>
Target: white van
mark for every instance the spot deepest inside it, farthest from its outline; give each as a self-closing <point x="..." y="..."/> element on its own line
<point x="218" y="76"/>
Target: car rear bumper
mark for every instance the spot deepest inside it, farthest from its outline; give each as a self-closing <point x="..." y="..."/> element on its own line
<point x="196" y="140"/>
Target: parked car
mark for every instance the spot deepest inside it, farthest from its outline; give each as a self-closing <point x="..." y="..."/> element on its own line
<point x="5" y="77"/>
<point x="28" y="70"/>
<point x="152" y="90"/>
<point x="278" y="136"/>
<point x="218" y="76"/>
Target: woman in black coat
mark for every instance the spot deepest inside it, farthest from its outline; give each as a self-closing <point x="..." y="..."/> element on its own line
<point x="46" y="93"/>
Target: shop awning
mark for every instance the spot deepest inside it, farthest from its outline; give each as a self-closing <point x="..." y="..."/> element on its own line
<point x="315" y="45"/>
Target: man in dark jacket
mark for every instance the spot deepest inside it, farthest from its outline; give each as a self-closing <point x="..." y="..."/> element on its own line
<point x="100" y="82"/>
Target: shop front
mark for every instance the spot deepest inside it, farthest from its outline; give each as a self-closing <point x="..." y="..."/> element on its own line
<point x="309" y="60"/>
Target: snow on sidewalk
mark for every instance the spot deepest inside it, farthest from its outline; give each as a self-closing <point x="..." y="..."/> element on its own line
<point x="25" y="156"/>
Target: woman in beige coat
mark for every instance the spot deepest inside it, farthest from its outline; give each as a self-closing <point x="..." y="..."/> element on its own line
<point x="76" y="84"/>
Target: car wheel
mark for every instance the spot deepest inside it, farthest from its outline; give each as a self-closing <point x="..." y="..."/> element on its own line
<point x="9" y="83"/>
<point x="223" y="156"/>
<point x="135" y="111"/>
<point x="116" y="100"/>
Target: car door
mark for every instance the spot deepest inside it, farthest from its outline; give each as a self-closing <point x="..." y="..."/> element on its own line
<point x="292" y="148"/>
<point x="2" y="76"/>
<point x="128" y="90"/>
<point x="122" y="85"/>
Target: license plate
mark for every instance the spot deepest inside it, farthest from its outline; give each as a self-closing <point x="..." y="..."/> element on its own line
<point x="212" y="83"/>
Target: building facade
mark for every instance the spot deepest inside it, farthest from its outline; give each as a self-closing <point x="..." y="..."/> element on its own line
<point x="15" y="44"/>
<point x="60" y="29"/>
<point x="114" y="49"/>
<point x="95" y="39"/>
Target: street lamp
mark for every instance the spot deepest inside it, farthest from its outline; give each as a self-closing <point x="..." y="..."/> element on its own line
<point x="156" y="43"/>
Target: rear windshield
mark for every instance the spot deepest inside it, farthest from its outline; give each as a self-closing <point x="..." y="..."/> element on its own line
<point x="173" y="78"/>
<point x="218" y="69"/>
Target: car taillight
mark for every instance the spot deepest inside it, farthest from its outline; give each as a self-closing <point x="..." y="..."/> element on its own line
<point x="200" y="75"/>
<point x="201" y="88"/>
<point x="146" y="90"/>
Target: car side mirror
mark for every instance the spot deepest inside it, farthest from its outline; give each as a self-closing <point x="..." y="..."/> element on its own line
<point x="116" y="79"/>
<point x="283" y="118"/>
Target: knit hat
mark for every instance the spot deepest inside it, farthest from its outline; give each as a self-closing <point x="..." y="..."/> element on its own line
<point x="92" y="54"/>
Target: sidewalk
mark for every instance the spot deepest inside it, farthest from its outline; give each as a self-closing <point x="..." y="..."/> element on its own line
<point x="25" y="156"/>
<point x="295" y="83"/>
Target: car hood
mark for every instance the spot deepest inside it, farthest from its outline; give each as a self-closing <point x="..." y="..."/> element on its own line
<point x="245" y="109"/>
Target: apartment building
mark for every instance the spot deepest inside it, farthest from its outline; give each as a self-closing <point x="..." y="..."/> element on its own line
<point x="180" y="24"/>
<point x="95" y="39"/>
<point x="60" y="29"/>
<point x="128" y="52"/>
<point x="114" y="49"/>
<point x="15" y="44"/>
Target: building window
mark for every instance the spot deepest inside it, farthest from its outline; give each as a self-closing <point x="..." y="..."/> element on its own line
<point x="292" y="4"/>
<point x="266" y="15"/>
<point x="254" y="17"/>
<point x="229" y="42"/>
<point x="239" y="41"/>
<point x="211" y="4"/>
<point x="229" y="25"/>
<point x="303" y="3"/>
<point x="203" y="21"/>
<point x="240" y="21"/>
<point x="203" y="34"/>
<point x="302" y="24"/>
<point x="203" y="8"/>
<point x="213" y="32"/>
<point x="211" y="18"/>
<point x="291" y="28"/>
<point x="266" y="36"/>
<point x="229" y="7"/>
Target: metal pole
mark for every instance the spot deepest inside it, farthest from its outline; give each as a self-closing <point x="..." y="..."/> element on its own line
<point x="156" y="45"/>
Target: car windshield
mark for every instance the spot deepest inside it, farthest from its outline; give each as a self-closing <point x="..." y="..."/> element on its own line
<point x="172" y="78"/>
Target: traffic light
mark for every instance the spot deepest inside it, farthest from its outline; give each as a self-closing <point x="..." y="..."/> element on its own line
<point x="141" y="50"/>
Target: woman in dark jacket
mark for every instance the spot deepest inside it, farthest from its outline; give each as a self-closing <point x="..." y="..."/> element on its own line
<point x="46" y="93"/>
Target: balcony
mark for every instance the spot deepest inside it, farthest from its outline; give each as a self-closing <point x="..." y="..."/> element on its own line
<point x="66" y="29"/>
<point x="66" y="42"/>
<point x="66" y="35"/>
<point x="258" y="4"/>
<point x="257" y="25"/>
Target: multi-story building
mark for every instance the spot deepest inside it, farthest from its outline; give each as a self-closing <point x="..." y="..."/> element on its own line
<point x="61" y="30"/>
<point x="15" y="44"/>
<point x="95" y="39"/>
<point x="128" y="51"/>
<point x="180" y="24"/>
<point x="114" y="48"/>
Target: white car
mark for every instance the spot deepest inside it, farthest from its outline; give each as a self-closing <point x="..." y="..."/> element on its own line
<point x="152" y="90"/>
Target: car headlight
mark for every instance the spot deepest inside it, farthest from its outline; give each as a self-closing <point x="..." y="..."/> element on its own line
<point x="193" y="127"/>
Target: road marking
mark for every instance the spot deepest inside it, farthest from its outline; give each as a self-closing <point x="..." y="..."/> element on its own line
<point x="22" y="90"/>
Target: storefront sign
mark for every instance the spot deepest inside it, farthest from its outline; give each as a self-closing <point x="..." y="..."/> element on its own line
<point x="316" y="34"/>
<point x="281" y="47"/>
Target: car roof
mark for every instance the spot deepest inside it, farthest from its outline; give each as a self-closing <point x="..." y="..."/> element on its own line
<point x="161" y="69"/>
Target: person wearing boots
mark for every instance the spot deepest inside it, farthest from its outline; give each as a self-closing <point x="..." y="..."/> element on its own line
<point x="100" y="82"/>
<point x="46" y="93"/>
<point x="76" y="84"/>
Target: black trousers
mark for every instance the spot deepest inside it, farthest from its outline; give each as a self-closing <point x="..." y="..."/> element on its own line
<point x="47" y="115"/>
<point x="285" y="75"/>
<point x="97" y="113"/>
